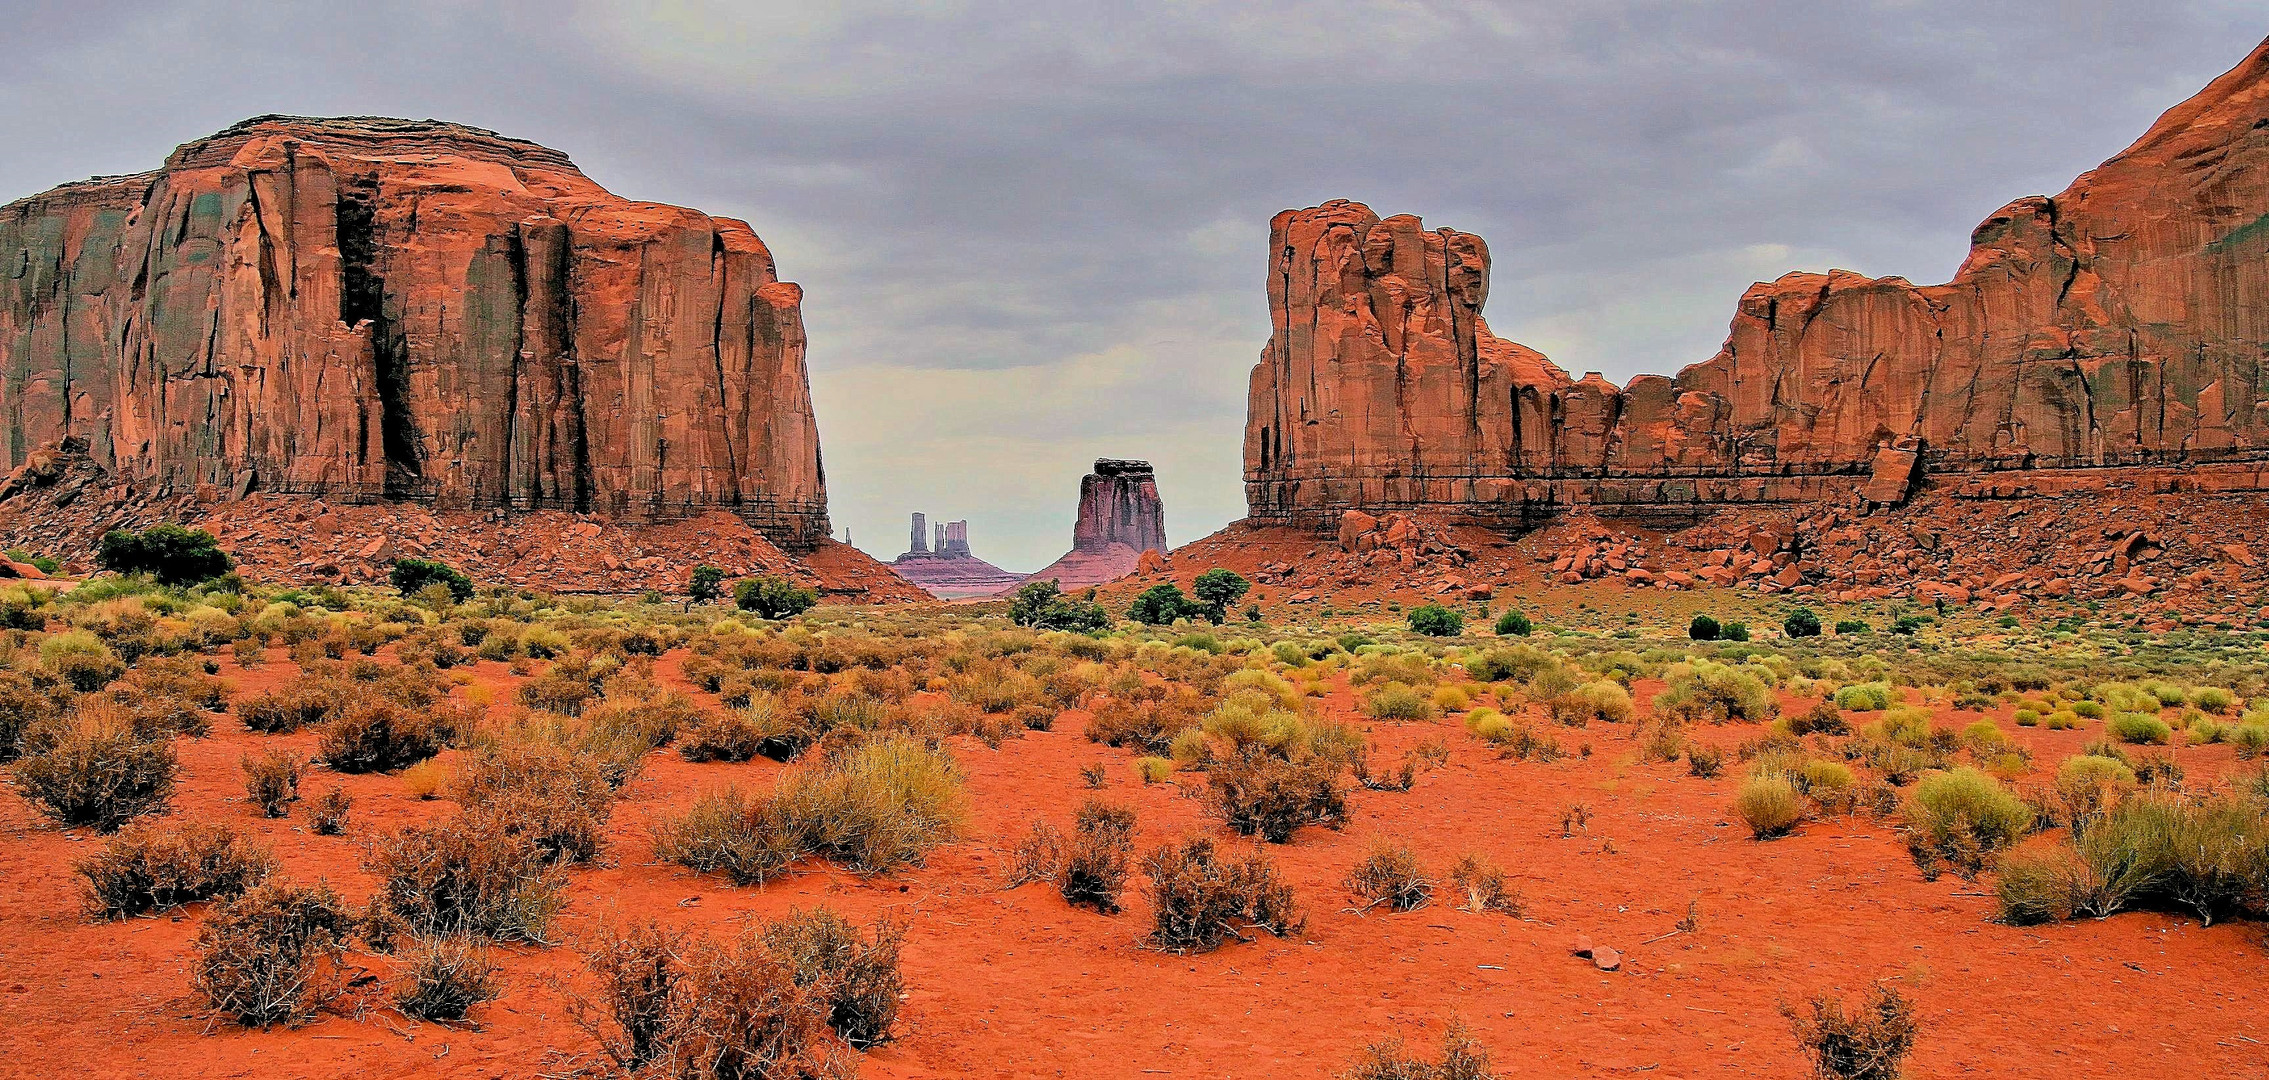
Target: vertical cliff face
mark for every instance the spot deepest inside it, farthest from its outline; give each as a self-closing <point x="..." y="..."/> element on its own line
<point x="1118" y="504"/>
<point x="1120" y="518"/>
<point x="2120" y="324"/>
<point x="367" y="308"/>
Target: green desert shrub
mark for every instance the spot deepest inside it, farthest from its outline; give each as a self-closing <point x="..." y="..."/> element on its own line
<point x="1396" y="701"/>
<point x="1865" y="697"/>
<point x="172" y="554"/>
<point x="1961" y="818"/>
<point x="1705" y="692"/>
<point x="873" y="808"/>
<point x="2140" y="728"/>
<point x="1769" y="805"/>
<point x="1434" y="620"/>
<point x="773" y="598"/>
<point x="1514" y="624"/>
<point x="1600" y="700"/>
<point x="414" y="576"/>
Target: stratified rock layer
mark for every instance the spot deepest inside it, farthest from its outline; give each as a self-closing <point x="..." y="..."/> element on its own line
<point x="1120" y="517"/>
<point x="2121" y="324"/>
<point x="364" y="309"/>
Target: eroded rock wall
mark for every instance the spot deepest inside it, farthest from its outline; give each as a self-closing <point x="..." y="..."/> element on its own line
<point x="365" y="308"/>
<point x="2121" y="324"/>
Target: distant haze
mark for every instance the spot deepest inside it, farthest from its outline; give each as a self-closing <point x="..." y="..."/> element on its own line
<point x="1034" y="234"/>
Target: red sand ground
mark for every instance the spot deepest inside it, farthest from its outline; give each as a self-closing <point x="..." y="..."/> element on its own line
<point x="1018" y="984"/>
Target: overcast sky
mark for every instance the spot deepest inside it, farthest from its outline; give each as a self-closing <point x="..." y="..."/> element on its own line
<point x="1033" y="234"/>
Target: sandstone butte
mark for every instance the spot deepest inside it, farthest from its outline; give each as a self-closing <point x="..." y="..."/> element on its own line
<point x="2110" y="335"/>
<point x="1120" y="519"/>
<point x="946" y="569"/>
<point x="365" y="310"/>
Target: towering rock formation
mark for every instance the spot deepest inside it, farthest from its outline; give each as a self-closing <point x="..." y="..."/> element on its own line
<point x="364" y="309"/>
<point x="943" y="566"/>
<point x="1120" y="518"/>
<point x="2113" y="333"/>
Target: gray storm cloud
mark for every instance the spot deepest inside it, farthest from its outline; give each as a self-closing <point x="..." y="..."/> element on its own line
<point x="1032" y="234"/>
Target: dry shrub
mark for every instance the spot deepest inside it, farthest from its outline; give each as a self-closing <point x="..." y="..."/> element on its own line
<point x="2207" y="855"/>
<point x="372" y="734"/>
<point x="855" y="975"/>
<point x="1089" y="870"/>
<point x="148" y="868"/>
<point x="1481" y="884"/>
<point x="637" y="969"/>
<point x="447" y="977"/>
<point x="556" y="799"/>
<point x="1391" y="875"/>
<point x="467" y="876"/>
<point x="94" y="768"/>
<point x="1868" y="1044"/>
<point x="271" y="781"/>
<point x="302" y="702"/>
<point x="1463" y="1058"/>
<point x="872" y="808"/>
<point x="272" y="955"/>
<point x="1704" y="762"/>
<point x="327" y="814"/>
<point x="1198" y="897"/>
<point x="759" y="1006"/>
<point x="736" y="1013"/>
<point x="762" y="728"/>
<point x="1143" y="725"/>
<point x="1271" y="797"/>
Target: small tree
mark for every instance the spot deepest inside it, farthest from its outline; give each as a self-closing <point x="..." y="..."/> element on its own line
<point x="707" y="584"/>
<point x="1042" y="606"/>
<point x="172" y="554"/>
<point x="411" y="576"/>
<point x="1703" y="628"/>
<point x="1734" y="631"/>
<point x="773" y="598"/>
<point x="1434" y="620"/>
<point x="1802" y="622"/>
<point x="1161" y="604"/>
<point x="1219" y="590"/>
<point x="1514" y="624"/>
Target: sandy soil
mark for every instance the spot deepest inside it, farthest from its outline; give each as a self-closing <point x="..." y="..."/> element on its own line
<point x="1016" y="983"/>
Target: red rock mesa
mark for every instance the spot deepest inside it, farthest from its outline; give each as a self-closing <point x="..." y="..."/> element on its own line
<point x="364" y="309"/>
<point x="2113" y="334"/>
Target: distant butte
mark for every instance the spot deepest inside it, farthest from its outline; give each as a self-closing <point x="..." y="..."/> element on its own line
<point x="941" y="564"/>
<point x="1120" y="518"/>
